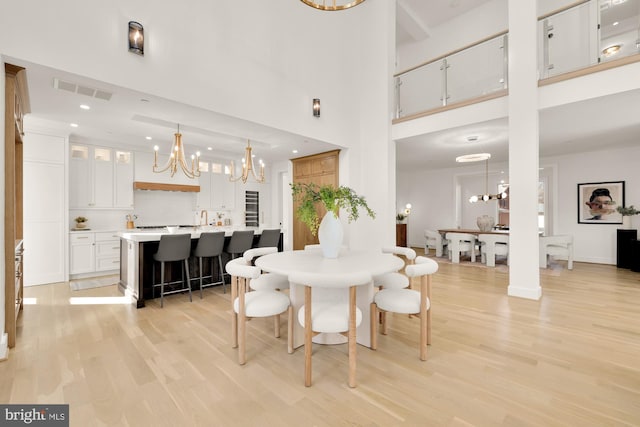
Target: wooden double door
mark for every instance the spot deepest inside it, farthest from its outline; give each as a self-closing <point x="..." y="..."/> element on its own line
<point x="321" y="169"/>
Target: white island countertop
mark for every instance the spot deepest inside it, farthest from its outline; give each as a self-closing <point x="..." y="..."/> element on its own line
<point x="151" y="235"/>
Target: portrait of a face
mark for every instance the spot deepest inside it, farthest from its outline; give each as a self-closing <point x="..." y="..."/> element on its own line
<point x="597" y="202"/>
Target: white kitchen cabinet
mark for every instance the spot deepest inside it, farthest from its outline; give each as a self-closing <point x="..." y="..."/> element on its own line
<point x="82" y="253"/>
<point x="100" y="178"/>
<point x="107" y="246"/>
<point x="123" y="180"/>
<point x="94" y="252"/>
<point x="216" y="191"/>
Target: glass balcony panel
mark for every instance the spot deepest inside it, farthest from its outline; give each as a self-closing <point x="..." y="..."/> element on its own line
<point x="419" y="90"/>
<point x="619" y="28"/>
<point x="568" y="41"/>
<point x="487" y="62"/>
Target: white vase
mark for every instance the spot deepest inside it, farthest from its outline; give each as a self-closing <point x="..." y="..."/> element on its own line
<point x="330" y="235"/>
<point x="626" y="222"/>
<point x="485" y="222"/>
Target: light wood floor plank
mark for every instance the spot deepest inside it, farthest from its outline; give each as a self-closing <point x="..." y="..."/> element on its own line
<point x="569" y="359"/>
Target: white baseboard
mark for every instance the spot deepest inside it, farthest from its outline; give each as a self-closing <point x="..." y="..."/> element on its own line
<point x="4" y="347"/>
<point x="528" y="293"/>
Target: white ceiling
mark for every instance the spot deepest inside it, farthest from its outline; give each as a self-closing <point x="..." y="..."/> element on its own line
<point x="128" y="117"/>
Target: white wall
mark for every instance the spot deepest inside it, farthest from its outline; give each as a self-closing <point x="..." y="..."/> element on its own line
<point x="432" y="194"/>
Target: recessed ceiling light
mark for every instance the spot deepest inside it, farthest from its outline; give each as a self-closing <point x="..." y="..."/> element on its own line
<point x="210" y="148"/>
<point x="85" y="107"/>
<point x="148" y="138"/>
<point x="473" y="157"/>
<point x="611" y="50"/>
<point x="73" y="125"/>
<point x="295" y="151"/>
<point x="615" y="23"/>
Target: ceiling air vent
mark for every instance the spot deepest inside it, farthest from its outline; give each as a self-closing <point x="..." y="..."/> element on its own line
<point x="82" y="90"/>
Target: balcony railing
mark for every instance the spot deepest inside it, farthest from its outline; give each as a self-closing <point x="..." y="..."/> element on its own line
<point x="579" y="36"/>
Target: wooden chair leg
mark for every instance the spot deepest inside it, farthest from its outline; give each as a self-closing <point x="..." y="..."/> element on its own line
<point x="373" y="310"/>
<point x="290" y="329"/>
<point x="383" y="329"/>
<point x="242" y="322"/>
<point x="234" y="315"/>
<point x="352" y="336"/>
<point x="307" y="336"/>
<point x="276" y="325"/>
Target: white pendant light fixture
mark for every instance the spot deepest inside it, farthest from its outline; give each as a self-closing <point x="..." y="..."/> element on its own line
<point x="332" y="4"/>
<point x="247" y="168"/>
<point x="486" y="196"/>
<point x="177" y="159"/>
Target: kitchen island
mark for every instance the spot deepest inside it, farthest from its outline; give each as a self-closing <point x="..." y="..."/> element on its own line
<point x="137" y="248"/>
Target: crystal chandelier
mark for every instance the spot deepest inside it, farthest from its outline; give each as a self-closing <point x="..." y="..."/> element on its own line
<point x="332" y="4"/>
<point x="486" y="196"/>
<point x="247" y="168"/>
<point x="177" y="158"/>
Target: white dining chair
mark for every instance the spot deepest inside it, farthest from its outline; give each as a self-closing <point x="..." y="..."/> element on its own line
<point x="395" y="279"/>
<point x="328" y="316"/>
<point x="491" y="246"/>
<point x="435" y="241"/>
<point x="407" y="301"/>
<point x="557" y="246"/>
<point x="459" y="243"/>
<point x="246" y="305"/>
<point x="266" y="281"/>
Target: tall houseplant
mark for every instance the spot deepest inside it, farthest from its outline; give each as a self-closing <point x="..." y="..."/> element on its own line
<point x="333" y="199"/>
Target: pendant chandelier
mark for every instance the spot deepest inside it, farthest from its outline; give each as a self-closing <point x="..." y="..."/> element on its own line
<point x="176" y="158"/>
<point x="332" y="4"/>
<point x="247" y="168"/>
<point x="486" y="196"/>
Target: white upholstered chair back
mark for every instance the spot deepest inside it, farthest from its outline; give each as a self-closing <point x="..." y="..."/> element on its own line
<point x="493" y="245"/>
<point x="558" y="246"/>
<point x="435" y="241"/>
<point x="459" y="243"/>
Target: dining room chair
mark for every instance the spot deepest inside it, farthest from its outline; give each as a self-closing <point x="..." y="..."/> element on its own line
<point x="395" y="279"/>
<point x="461" y="243"/>
<point x="407" y="301"/>
<point x="247" y="305"/>
<point x="491" y="246"/>
<point x="319" y="315"/>
<point x="210" y="245"/>
<point x="266" y="281"/>
<point x="435" y="241"/>
<point x="173" y="248"/>
<point x="557" y="246"/>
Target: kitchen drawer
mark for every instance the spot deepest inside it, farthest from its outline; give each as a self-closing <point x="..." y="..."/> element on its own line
<point x="108" y="263"/>
<point x="104" y="236"/>
<point x="110" y="248"/>
<point x="82" y="238"/>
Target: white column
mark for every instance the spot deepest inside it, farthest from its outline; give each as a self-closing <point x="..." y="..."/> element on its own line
<point x="524" y="272"/>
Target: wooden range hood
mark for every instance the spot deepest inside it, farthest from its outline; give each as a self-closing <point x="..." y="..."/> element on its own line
<point x="141" y="185"/>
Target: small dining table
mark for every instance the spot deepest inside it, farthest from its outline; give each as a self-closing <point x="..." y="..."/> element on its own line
<point x="373" y="262"/>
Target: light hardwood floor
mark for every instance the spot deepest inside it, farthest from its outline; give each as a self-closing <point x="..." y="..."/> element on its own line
<point x="570" y="359"/>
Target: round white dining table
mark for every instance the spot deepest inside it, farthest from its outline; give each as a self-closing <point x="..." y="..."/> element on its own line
<point x="373" y="262"/>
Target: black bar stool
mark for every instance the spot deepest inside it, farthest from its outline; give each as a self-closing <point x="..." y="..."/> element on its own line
<point x="269" y="238"/>
<point x="210" y="245"/>
<point x="173" y="247"/>
<point x="240" y="242"/>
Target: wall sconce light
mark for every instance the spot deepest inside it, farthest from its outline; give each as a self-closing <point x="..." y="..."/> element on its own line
<point x="316" y="107"/>
<point x="407" y="209"/>
<point x="136" y="38"/>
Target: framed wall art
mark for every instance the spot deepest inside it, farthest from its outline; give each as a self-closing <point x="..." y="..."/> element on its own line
<point x="597" y="202"/>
